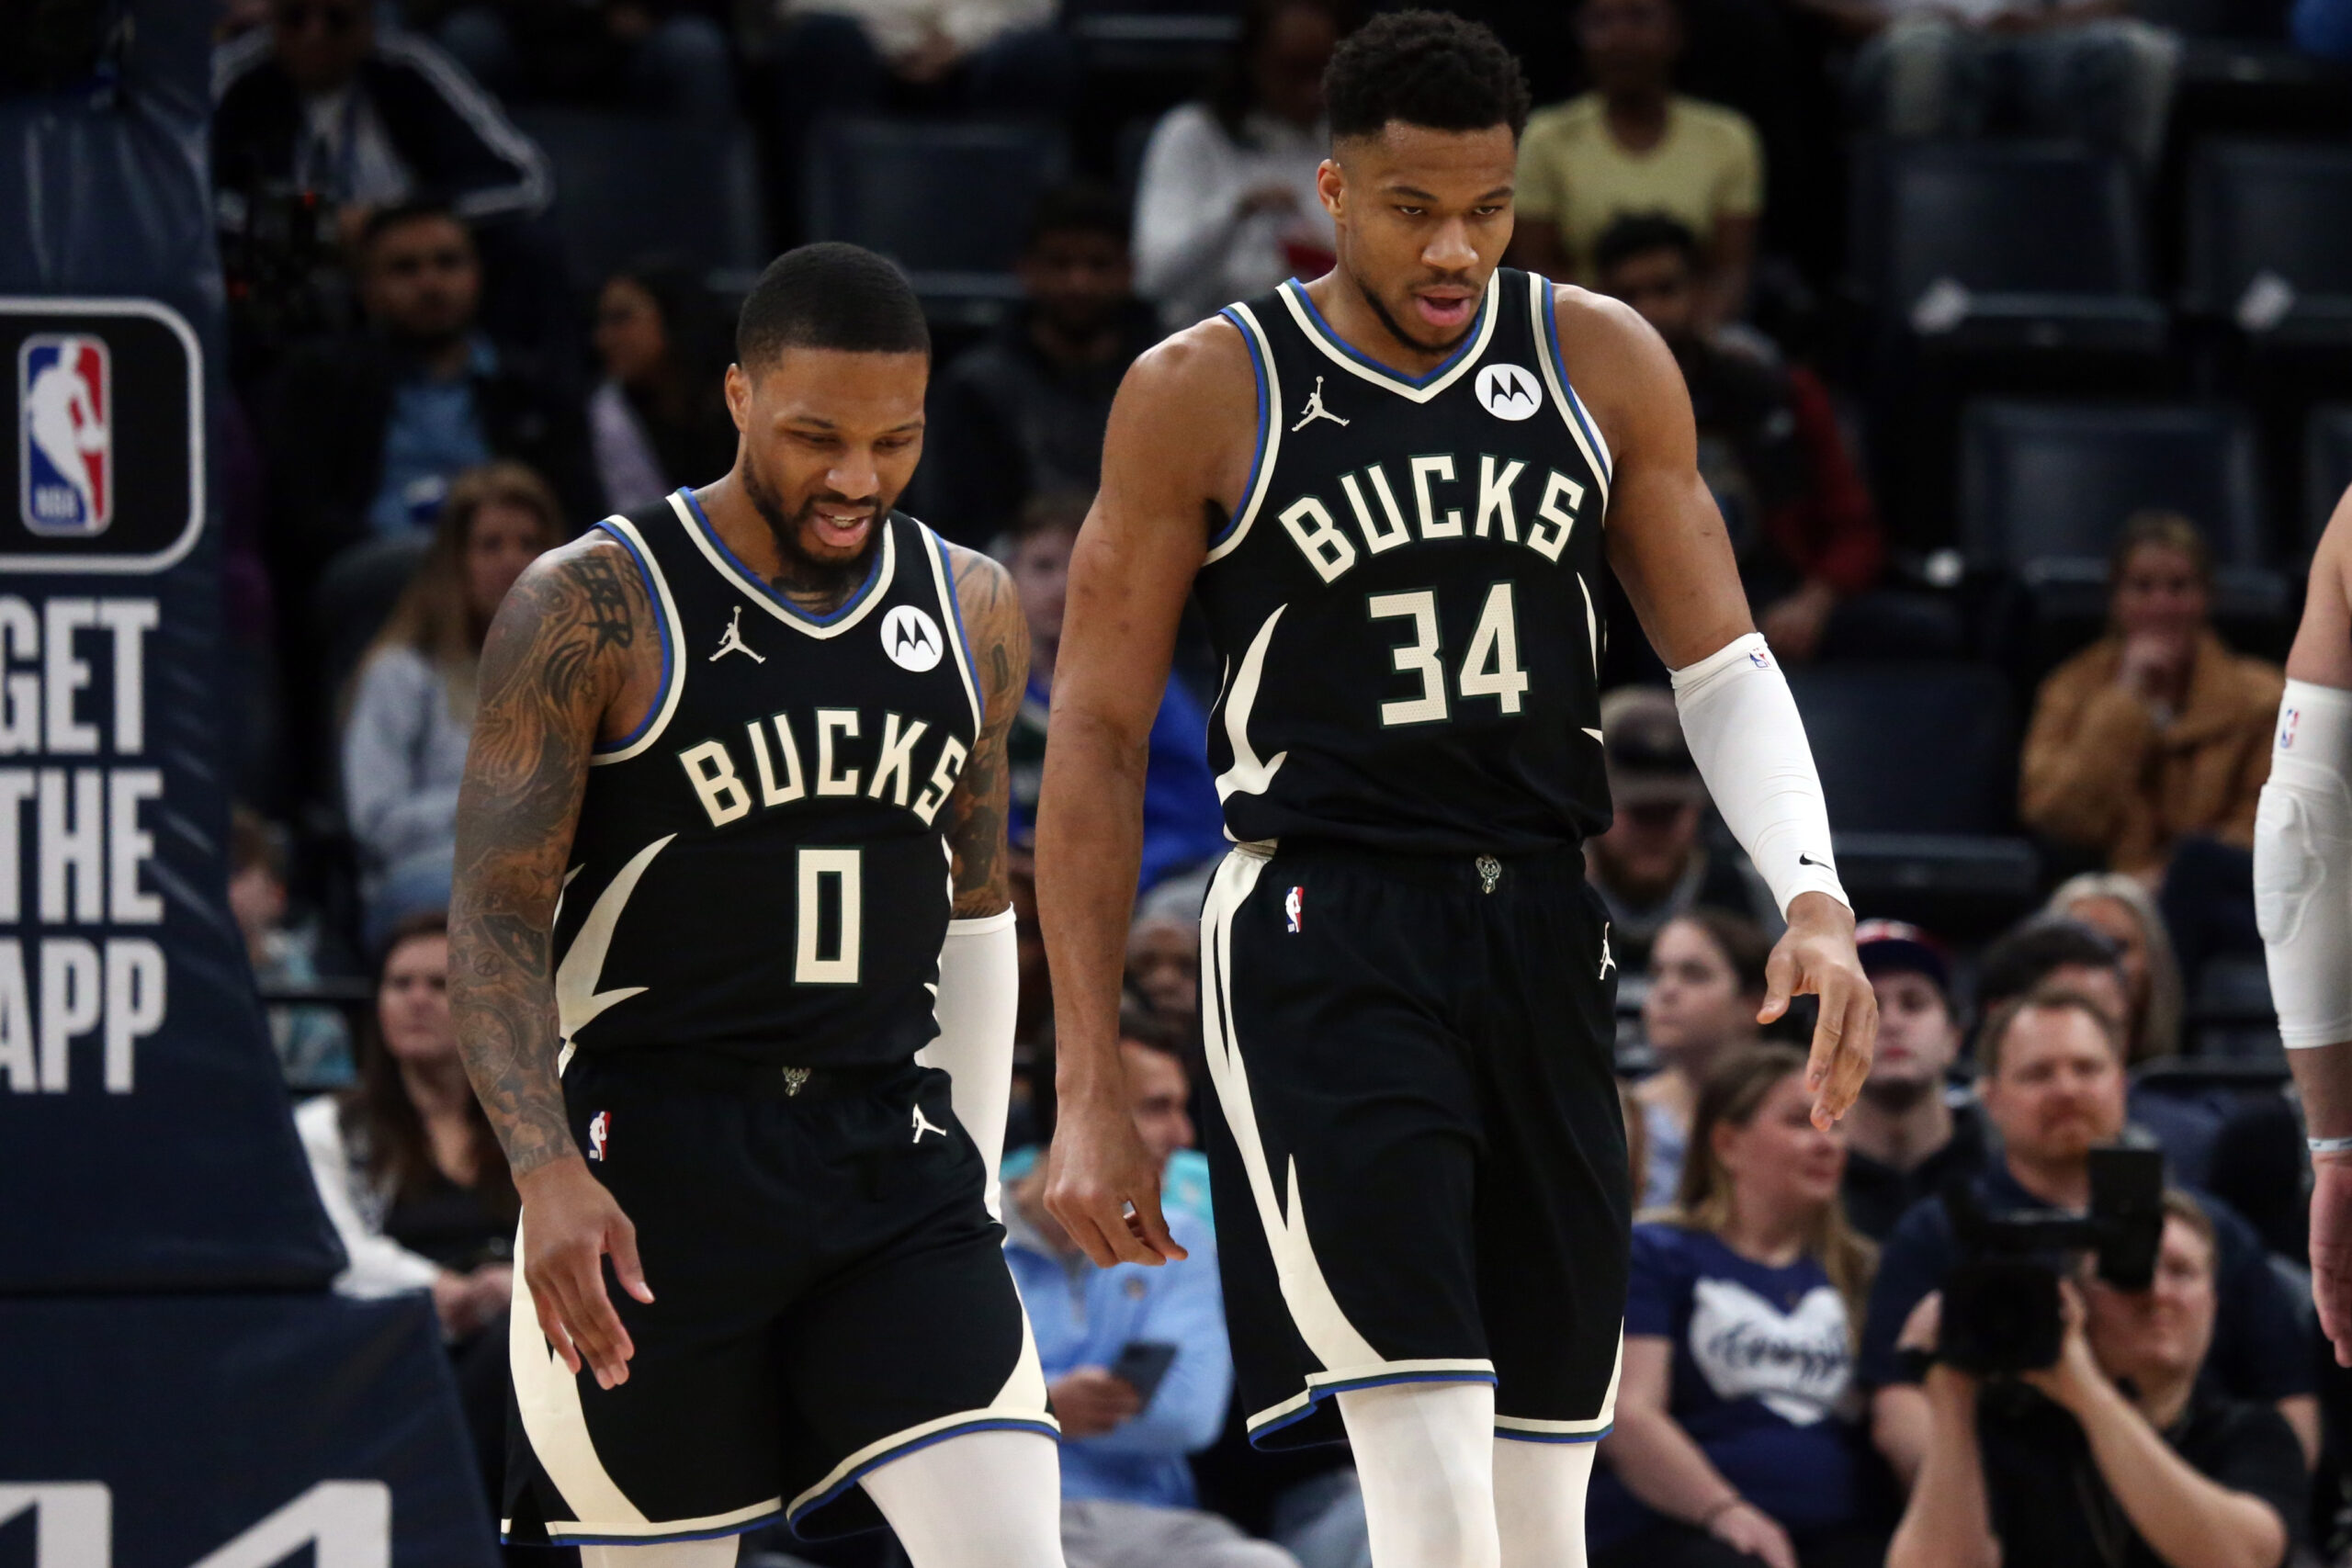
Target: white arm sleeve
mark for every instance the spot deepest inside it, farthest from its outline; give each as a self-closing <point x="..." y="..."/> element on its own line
<point x="979" y="997"/>
<point x="1744" y="732"/>
<point x="2302" y="865"/>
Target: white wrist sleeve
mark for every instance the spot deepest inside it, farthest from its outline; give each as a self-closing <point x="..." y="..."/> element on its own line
<point x="2302" y="865"/>
<point x="1742" y="727"/>
<point x="979" y="997"/>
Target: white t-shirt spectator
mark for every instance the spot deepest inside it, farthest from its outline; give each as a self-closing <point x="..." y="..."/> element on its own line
<point x="1195" y="251"/>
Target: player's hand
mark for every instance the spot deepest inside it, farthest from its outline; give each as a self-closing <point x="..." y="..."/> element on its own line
<point x="1104" y="1185"/>
<point x="1092" y="1401"/>
<point x="1747" y="1529"/>
<point x="569" y="1222"/>
<point x="1816" y="957"/>
<point x="2331" y="1250"/>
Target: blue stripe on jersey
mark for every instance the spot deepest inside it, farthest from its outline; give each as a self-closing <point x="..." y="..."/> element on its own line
<point x="1265" y="422"/>
<point x="660" y="627"/>
<point x="872" y="571"/>
<point x="1576" y="404"/>
<point x="955" y="608"/>
<point x="1469" y="339"/>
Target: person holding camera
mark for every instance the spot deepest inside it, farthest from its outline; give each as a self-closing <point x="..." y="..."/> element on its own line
<point x="2114" y="1454"/>
<point x="2051" y="1080"/>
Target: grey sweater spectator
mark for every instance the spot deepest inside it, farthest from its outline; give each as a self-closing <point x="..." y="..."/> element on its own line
<point x="412" y="701"/>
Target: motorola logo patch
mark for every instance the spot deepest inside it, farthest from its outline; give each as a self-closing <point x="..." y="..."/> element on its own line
<point x="1509" y="392"/>
<point x="911" y="639"/>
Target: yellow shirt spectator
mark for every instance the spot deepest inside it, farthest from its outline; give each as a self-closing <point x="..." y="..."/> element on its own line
<point x="1576" y="175"/>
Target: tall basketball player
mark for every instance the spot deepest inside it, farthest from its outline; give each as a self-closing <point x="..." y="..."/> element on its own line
<point x="1394" y="491"/>
<point x="2302" y="900"/>
<point x="729" y="854"/>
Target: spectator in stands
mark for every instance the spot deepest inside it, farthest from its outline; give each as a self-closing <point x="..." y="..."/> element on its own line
<point x="2052" y="1084"/>
<point x="1225" y="206"/>
<point x="1706" y="982"/>
<point x="667" y="57"/>
<point x="369" y="428"/>
<point x="1182" y="822"/>
<point x="413" y="700"/>
<point x="1735" y="1434"/>
<point x="2119" y="908"/>
<point x="313" y="1043"/>
<point x="2077" y="69"/>
<point x="1651" y="868"/>
<point x="659" y="418"/>
<point x="2118" y="1453"/>
<point x="1770" y="447"/>
<point x="1127" y="1495"/>
<point x="1634" y="145"/>
<point x="1164" y="952"/>
<point x="1022" y="412"/>
<point x="1905" y="1137"/>
<point x="1004" y="59"/>
<point x="2157" y="732"/>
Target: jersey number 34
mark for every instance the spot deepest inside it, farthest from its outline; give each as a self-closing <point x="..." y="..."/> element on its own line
<point x="1490" y="668"/>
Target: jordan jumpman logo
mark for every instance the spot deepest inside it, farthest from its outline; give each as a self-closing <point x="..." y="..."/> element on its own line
<point x="923" y="1124"/>
<point x="1315" y="410"/>
<point x="733" y="641"/>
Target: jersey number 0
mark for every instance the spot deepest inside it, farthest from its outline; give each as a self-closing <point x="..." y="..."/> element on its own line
<point x="840" y="874"/>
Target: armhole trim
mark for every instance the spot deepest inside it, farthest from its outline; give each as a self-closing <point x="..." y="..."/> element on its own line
<point x="1269" y="432"/>
<point x="1543" y="305"/>
<point x="673" y="654"/>
<point x="953" y="609"/>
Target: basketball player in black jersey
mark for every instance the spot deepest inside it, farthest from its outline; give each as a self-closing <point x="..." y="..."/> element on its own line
<point x="730" y="855"/>
<point x="1394" y="491"/>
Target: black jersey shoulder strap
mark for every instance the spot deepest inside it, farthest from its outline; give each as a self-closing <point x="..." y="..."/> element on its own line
<point x="651" y="537"/>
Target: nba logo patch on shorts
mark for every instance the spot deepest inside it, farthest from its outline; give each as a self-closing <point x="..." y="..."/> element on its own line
<point x="65" y="435"/>
<point x="600" y="1127"/>
<point x="1293" y="906"/>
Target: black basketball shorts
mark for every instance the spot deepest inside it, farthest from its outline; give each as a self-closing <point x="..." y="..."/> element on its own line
<point x="1418" y="1161"/>
<point x="829" y="1294"/>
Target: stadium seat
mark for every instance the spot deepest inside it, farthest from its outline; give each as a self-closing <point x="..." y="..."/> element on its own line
<point x="2000" y="245"/>
<point x="632" y="186"/>
<point x="2327" y="465"/>
<point x="2270" y="237"/>
<point x="946" y="201"/>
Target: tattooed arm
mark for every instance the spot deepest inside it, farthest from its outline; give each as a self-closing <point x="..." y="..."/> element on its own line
<point x="564" y="663"/>
<point x="976" y="812"/>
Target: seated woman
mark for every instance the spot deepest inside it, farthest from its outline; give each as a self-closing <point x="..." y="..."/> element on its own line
<point x="2119" y="908"/>
<point x="1706" y="982"/>
<point x="1737" y="1439"/>
<point x="659" y="418"/>
<point x="412" y="709"/>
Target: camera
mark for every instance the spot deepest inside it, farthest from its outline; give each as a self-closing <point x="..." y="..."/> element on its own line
<point x="2001" y="1311"/>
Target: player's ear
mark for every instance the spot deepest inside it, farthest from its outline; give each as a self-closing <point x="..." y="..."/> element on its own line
<point x="1331" y="185"/>
<point x="739" y="397"/>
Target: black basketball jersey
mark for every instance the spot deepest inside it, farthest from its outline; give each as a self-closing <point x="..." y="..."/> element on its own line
<point x="1408" y="601"/>
<point x="762" y="868"/>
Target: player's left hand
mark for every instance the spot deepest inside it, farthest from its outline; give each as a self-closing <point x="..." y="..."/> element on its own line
<point x="1816" y="957"/>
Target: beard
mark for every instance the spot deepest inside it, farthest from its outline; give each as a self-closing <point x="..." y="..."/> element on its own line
<point x="1397" y="328"/>
<point x="1900" y="1095"/>
<point x="830" y="580"/>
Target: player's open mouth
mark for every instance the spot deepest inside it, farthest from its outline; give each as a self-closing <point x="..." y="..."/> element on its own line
<point x="841" y="530"/>
<point x="1445" y="310"/>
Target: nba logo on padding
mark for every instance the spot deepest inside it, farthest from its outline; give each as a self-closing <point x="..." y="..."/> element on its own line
<point x="65" y="435"/>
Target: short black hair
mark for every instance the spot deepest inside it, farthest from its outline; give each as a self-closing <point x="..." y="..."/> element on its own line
<point x="1639" y="233"/>
<point x="834" y="296"/>
<point x="2020" y="961"/>
<point x="400" y="214"/>
<point x="1138" y="1025"/>
<point x="1427" y="68"/>
<point x="1078" y="208"/>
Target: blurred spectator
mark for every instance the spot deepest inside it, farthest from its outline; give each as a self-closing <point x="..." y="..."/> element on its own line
<point x="2117" y="1454"/>
<point x="1769" y="447"/>
<point x="413" y="700"/>
<point x="1634" y="145"/>
<point x="659" y="418"/>
<point x="2052" y="1083"/>
<point x="1004" y="59"/>
<point x="1182" y="822"/>
<point x="1022" y="412"/>
<point x="1734" y="1433"/>
<point x="1706" y="981"/>
<point x="2118" y="909"/>
<point x="1225" y="206"/>
<point x="665" y="57"/>
<point x="2156" y="732"/>
<point x="313" y="1041"/>
<point x="2077" y="69"/>
<point x="1164" y="953"/>
<point x="369" y="428"/>
<point x="1906" y="1138"/>
<point x="1127" y="1495"/>
<point x="1651" y="866"/>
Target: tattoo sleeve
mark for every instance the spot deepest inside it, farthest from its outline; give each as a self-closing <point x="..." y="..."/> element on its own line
<point x="976" y="812"/>
<point x="558" y="654"/>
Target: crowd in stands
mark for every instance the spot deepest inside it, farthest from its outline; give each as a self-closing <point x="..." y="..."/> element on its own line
<point x="430" y="387"/>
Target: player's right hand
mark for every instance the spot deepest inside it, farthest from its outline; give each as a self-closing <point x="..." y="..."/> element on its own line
<point x="569" y="1222"/>
<point x="1104" y="1185"/>
<point x="2332" y="1251"/>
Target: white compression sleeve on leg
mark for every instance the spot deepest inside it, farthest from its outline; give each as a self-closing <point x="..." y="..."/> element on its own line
<point x="720" y="1553"/>
<point x="1539" y="1501"/>
<point x="1742" y="726"/>
<point x="2302" y="866"/>
<point x="1425" y="1453"/>
<point x="979" y="999"/>
<point x="979" y="1500"/>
